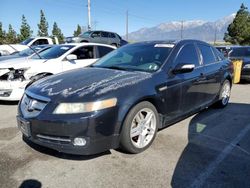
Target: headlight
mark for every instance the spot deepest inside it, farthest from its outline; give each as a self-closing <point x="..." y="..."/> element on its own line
<point x="75" y="108"/>
<point x="247" y="66"/>
<point x="16" y="74"/>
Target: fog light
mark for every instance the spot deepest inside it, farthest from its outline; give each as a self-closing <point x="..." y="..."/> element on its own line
<point x="79" y="142"/>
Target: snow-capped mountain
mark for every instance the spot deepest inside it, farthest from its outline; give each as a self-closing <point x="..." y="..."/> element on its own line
<point x="195" y="29"/>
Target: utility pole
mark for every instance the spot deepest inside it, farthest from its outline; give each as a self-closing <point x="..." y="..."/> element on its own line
<point x="127" y="25"/>
<point x="182" y="22"/>
<point x="215" y="35"/>
<point x="89" y="18"/>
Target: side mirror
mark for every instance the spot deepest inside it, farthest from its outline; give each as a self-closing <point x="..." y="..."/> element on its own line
<point x="183" y="68"/>
<point x="71" y="57"/>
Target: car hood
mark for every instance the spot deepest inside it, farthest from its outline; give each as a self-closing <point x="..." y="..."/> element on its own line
<point x="87" y="84"/>
<point x="18" y="63"/>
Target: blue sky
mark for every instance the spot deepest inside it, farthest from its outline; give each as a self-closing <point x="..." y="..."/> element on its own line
<point x="110" y="14"/>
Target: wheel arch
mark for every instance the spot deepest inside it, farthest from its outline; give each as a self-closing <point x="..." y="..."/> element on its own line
<point x="125" y="110"/>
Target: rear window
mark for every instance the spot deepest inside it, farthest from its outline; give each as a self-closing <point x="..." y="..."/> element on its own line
<point x="207" y="54"/>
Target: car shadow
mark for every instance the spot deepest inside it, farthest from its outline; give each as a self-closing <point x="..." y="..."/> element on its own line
<point x="218" y="149"/>
<point x="12" y="103"/>
<point x="54" y="153"/>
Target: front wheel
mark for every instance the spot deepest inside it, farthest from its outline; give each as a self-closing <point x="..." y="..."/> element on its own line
<point x="224" y="94"/>
<point x="139" y="128"/>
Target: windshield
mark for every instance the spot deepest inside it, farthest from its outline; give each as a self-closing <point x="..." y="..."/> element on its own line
<point x="53" y="52"/>
<point x="27" y="41"/>
<point x="141" y="57"/>
<point x="85" y="34"/>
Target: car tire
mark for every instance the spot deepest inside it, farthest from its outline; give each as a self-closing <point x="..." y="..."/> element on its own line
<point x="139" y="128"/>
<point x="225" y="93"/>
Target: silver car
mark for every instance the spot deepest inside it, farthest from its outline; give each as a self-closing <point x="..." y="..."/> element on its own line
<point x="104" y="37"/>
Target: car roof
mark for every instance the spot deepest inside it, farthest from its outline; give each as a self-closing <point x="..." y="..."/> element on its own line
<point x="87" y="44"/>
<point x="169" y="42"/>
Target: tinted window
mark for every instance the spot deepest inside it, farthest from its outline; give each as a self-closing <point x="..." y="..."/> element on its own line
<point x="142" y="57"/>
<point x="112" y="35"/>
<point x="187" y="55"/>
<point x="240" y="52"/>
<point x="53" y="52"/>
<point x="40" y="42"/>
<point x="85" y="52"/>
<point x="96" y="34"/>
<point x="103" y="50"/>
<point x="105" y="34"/>
<point x="207" y="54"/>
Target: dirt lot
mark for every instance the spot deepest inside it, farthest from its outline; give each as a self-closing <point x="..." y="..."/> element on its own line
<point x="209" y="149"/>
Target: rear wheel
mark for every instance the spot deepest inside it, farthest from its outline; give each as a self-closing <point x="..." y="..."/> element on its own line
<point x="224" y="94"/>
<point x="139" y="128"/>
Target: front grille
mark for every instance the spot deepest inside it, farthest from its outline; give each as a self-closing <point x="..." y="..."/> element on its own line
<point x="32" y="105"/>
<point x="53" y="139"/>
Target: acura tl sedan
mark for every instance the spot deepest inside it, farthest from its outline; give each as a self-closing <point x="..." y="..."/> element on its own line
<point x="125" y="97"/>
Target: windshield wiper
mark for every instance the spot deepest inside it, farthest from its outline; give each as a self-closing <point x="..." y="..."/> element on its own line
<point x="117" y="68"/>
<point x="35" y="52"/>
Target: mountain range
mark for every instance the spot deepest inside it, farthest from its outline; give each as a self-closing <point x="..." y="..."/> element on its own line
<point x="193" y="29"/>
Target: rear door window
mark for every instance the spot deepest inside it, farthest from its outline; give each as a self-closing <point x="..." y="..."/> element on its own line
<point x="86" y="52"/>
<point x="207" y="54"/>
<point x="112" y="35"/>
<point x="105" y="34"/>
<point x="187" y="55"/>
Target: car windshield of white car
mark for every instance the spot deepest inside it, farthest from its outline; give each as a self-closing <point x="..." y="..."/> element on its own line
<point x="53" y="52"/>
<point x="139" y="57"/>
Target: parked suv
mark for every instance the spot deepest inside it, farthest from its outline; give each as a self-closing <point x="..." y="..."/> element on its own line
<point x="104" y="37"/>
<point x="242" y="53"/>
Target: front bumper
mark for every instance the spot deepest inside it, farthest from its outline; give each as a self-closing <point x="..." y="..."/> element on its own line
<point x="58" y="133"/>
<point x="12" y="90"/>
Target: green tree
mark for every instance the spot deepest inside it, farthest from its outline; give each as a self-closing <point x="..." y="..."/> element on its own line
<point x="11" y="36"/>
<point x="43" y="26"/>
<point x="238" y="32"/>
<point x="78" y="30"/>
<point x="25" y="31"/>
<point x="56" y="31"/>
<point x="2" y="34"/>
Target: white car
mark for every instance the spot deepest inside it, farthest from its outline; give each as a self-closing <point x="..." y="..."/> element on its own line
<point x="17" y="74"/>
<point x="7" y="49"/>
